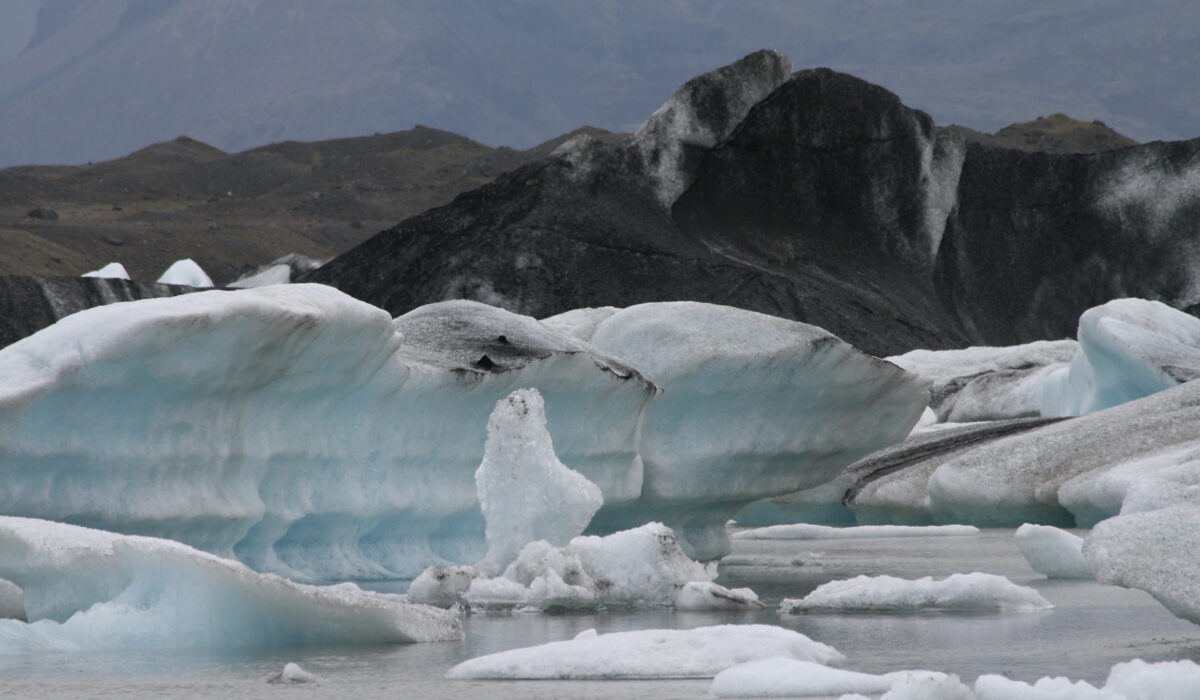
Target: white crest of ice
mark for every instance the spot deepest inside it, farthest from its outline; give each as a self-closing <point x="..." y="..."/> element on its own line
<point x="927" y="688"/>
<point x="706" y="595"/>
<point x="789" y="677"/>
<point x="1052" y="552"/>
<point x="294" y="673"/>
<point x="1165" y="680"/>
<point x="804" y="531"/>
<point x="187" y="273"/>
<point x="113" y="270"/>
<point x="89" y="589"/>
<point x="580" y="323"/>
<point x="974" y="591"/>
<point x="702" y="652"/>
<point x="275" y="274"/>
<point x="525" y="493"/>
<point x="995" y="687"/>
<point x="1128" y="349"/>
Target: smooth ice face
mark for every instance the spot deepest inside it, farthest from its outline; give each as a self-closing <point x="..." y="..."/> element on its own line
<point x="113" y="270"/>
<point x="187" y="273"/>
<point x="988" y="383"/>
<point x="525" y="493"/>
<point x="294" y="428"/>
<point x="12" y="601"/>
<point x="1128" y="349"/>
<point x="976" y="591"/>
<point x="803" y="531"/>
<point x="1052" y="552"/>
<point x="89" y="589"/>
<point x="702" y="652"/>
<point x="789" y="678"/>
<point x="579" y="323"/>
<point x="753" y="406"/>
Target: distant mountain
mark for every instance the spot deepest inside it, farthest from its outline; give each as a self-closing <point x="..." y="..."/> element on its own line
<point x="1056" y="133"/>
<point x="90" y="80"/>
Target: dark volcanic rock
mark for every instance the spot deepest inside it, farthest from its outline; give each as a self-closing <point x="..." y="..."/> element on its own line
<point x="816" y="197"/>
<point x="44" y="214"/>
<point x="29" y="304"/>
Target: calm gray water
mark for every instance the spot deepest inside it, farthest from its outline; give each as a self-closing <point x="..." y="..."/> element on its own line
<point x="1091" y="628"/>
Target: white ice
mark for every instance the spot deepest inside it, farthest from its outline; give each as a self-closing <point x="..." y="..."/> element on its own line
<point x="1128" y="349"/>
<point x="275" y="274"/>
<point x="113" y="270"/>
<point x="702" y="652"/>
<point x="1131" y="680"/>
<point x="187" y="273"/>
<point x="12" y="601"/>
<point x="1052" y="552"/>
<point x="789" y="677"/>
<point x="996" y="687"/>
<point x="975" y="591"/>
<point x="753" y="406"/>
<point x="294" y="673"/>
<point x="918" y="688"/>
<point x="580" y="323"/>
<point x="90" y="589"/>
<point x="804" y="531"/>
<point x="525" y="493"/>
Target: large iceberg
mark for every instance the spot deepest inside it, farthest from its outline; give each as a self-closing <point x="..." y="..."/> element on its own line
<point x="89" y="589"/>
<point x="1128" y="348"/>
<point x="295" y="428"/>
<point x="791" y="678"/>
<point x="702" y="652"/>
<point x="753" y="406"/>
<point x="975" y="591"/>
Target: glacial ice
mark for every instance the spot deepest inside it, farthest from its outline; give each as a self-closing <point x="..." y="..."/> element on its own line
<point x="988" y="383"/>
<point x="789" y="677"/>
<point x="113" y="270"/>
<point x="294" y="428"/>
<point x="975" y="591"/>
<point x="1128" y="349"/>
<point x="804" y="531"/>
<point x="12" y="601"/>
<point x="294" y="673"/>
<point x="996" y="687"/>
<point x="1145" y="482"/>
<point x="925" y="688"/>
<point x="753" y="406"/>
<point x="702" y="652"/>
<point x="187" y="273"/>
<point x="525" y="493"/>
<point x="1052" y="552"/>
<point x="89" y="589"/>
<point x="579" y="323"/>
<point x="275" y="274"/>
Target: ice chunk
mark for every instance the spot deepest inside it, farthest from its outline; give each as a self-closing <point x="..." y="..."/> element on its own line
<point x="696" y="653"/>
<point x="706" y="595"/>
<point x="1165" y="680"/>
<point x="1052" y="552"/>
<point x="580" y="323"/>
<point x="89" y="589"/>
<point x="187" y="273"/>
<point x="1128" y="349"/>
<point x="12" y="601"/>
<point x="1145" y="482"/>
<point x="753" y="406"/>
<point x="802" y="531"/>
<point x="789" y="677"/>
<point x="988" y="383"/>
<point x="975" y="591"/>
<point x="994" y="687"/>
<point x="279" y="271"/>
<point x="297" y="429"/>
<point x="928" y="688"/>
<point x="525" y="493"/>
<point x="113" y="270"/>
<point x="442" y="586"/>
<point x="294" y="673"/>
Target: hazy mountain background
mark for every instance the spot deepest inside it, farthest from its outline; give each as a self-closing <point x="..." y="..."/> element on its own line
<point x="87" y="80"/>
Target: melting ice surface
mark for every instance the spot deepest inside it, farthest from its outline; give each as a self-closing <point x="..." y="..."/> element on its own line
<point x="974" y="591"/>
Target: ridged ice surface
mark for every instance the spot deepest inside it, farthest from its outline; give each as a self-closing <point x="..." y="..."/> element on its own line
<point x="975" y="591"/>
<point x="88" y="590"/>
<point x="696" y="653"/>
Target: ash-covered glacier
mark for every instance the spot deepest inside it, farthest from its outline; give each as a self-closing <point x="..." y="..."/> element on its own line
<point x="88" y="589"/>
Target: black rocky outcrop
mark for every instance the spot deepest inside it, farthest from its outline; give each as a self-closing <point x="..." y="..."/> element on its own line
<point x="815" y="196"/>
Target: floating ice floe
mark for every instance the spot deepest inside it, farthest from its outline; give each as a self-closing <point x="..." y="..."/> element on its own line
<point x="975" y="591"/>
<point x="918" y="688"/>
<point x="294" y="673"/>
<point x="1132" y="680"/>
<point x="804" y="531"/>
<point x="1052" y="552"/>
<point x="753" y="406"/>
<point x="988" y="383"/>
<point x="696" y="653"/>
<point x="113" y="270"/>
<point x="1128" y="349"/>
<point x="90" y="589"/>
<point x="789" y="678"/>
<point x="186" y="273"/>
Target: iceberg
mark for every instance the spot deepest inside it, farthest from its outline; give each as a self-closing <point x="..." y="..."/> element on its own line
<point x="294" y="673"/>
<point x="1130" y="680"/>
<point x="295" y="428"/>
<point x="702" y="652"/>
<point x="579" y="323"/>
<point x="113" y="270"/>
<point x="995" y="687"/>
<point x="753" y="406"/>
<point x="803" y="531"/>
<point x="1052" y="552"/>
<point x="927" y="688"/>
<point x="975" y="591"/>
<point x="186" y="273"/>
<point x="1128" y="349"/>
<point x="89" y="589"/>
<point x="789" y="678"/>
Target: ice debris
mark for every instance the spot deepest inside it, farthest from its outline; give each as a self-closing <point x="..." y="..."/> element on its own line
<point x="789" y="677"/>
<point x="113" y="270"/>
<point x="90" y="589"/>
<point x="294" y="673"/>
<point x="804" y="531"/>
<point x="702" y="652"/>
<point x="187" y="273"/>
<point x="1052" y="552"/>
<point x="975" y="591"/>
